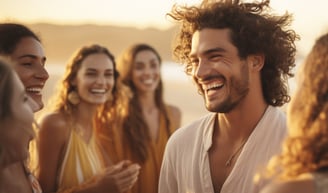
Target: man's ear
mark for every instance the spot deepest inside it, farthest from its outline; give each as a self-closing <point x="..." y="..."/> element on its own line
<point x="256" y="61"/>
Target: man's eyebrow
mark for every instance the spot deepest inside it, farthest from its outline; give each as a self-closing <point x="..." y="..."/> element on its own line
<point x="209" y="51"/>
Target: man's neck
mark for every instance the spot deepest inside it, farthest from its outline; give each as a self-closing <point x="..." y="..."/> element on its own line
<point x="240" y="123"/>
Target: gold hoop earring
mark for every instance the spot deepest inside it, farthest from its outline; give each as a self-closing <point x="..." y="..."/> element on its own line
<point x="73" y="97"/>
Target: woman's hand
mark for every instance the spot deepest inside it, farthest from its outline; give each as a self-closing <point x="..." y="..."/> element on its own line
<point x="120" y="177"/>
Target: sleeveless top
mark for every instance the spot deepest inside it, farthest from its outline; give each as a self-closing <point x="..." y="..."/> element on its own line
<point x="118" y="150"/>
<point x="321" y="181"/>
<point x="81" y="162"/>
<point x="150" y="169"/>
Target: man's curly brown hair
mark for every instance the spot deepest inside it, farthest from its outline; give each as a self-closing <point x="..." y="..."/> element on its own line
<point x="253" y="31"/>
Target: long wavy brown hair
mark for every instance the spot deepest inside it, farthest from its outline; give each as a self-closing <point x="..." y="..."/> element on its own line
<point x="253" y="31"/>
<point x="108" y="113"/>
<point x="306" y="148"/>
<point x="135" y="128"/>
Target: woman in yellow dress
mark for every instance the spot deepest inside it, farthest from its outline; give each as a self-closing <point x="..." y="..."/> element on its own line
<point x="70" y="158"/>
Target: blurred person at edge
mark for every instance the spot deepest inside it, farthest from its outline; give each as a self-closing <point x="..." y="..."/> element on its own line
<point x="240" y="56"/>
<point x="16" y="118"/>
<point x="70" y="157"/>
<point x="302" y="166"/>
<point x="23" y="48"/>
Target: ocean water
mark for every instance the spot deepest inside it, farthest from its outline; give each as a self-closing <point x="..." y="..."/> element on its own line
<point x="170" y="71"/>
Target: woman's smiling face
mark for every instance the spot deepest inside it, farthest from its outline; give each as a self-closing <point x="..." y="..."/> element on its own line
<point x="29" y="60"/>
<point x="95" y="78"/>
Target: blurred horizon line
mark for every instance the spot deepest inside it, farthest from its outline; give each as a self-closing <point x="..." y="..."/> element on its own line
<point x="91" y="23"/>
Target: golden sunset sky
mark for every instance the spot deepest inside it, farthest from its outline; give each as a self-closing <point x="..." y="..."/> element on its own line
<point x="310" y="16"/>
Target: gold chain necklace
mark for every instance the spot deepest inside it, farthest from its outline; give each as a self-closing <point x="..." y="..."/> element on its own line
<point x="229" y="161"/>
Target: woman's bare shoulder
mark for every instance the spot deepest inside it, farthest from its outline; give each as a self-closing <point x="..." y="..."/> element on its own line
<point x="53" y="119"/>
<point x="53" y="125"/>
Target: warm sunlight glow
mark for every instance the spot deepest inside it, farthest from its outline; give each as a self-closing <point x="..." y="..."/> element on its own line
<point x="310" y="21"/>
<point x="141" y="13"/>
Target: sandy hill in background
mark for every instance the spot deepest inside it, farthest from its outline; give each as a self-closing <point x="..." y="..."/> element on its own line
<point x="60" y="41"/>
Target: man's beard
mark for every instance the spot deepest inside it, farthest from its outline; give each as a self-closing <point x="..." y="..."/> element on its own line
<point x="239" y="90"/>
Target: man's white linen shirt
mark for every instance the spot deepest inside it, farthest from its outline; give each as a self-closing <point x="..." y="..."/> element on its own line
<point x="186" y="169"/>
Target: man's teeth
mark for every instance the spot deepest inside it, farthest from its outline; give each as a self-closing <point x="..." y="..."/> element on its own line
<point x="34" y="89"/>
<point x="216" y="85"/>
<point x="98" y="91"/>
